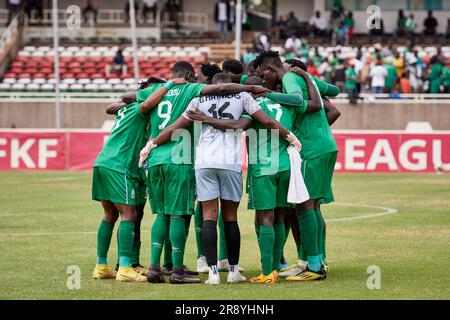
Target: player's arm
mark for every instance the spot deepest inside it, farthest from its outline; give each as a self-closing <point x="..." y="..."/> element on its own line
<point x="325" y="88"/>
<point x="114" y="107"/>
<point x="331" y="112"/>
<point x="153" y="100"/>
<point x="314" y="103"/>
<point x="221" y="124"/>
<point x="230" y="88"/>
<point x="129" y="97"/>
<point x="293" y="100"/>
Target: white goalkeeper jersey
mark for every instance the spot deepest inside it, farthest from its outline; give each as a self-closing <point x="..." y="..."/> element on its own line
<point x="216" y="148"/>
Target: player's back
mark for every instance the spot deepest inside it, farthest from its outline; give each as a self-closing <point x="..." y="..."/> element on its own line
<point x="217" y="148"/>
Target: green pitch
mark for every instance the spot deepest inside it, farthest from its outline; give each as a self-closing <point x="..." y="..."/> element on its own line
<point x="400" y="223"/>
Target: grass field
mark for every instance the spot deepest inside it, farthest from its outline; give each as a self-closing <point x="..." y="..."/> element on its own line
<point x="48" y="223"/>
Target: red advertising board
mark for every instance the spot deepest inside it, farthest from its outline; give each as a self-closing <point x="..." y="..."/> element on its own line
<point x="359" y="151"/>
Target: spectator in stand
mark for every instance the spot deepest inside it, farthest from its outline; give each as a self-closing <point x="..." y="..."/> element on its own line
<point x="333" y="23"/>
<point x="339" y="73"/>
<point x="263" y="42"/>
<point x="127" y="9"/>
<point x="36" y="5"/>
<point x="341" y="34"/>
<point x="318" y="25"/>
<point x="405" y="84"/>
<point x="434" y="75"/>
<point x="292" y="46"/>
<point x="311" y="68"/>
<point x="378" y="74"/>
<point x="430" y="24"/>
<point x="14" y="8"/>
<point x="150" y="6"/>
<point x="118" y="65"/>
<point x="280" y="30"/>
<point x="350" y="83"/>
<point x="399" y="64"/>
<point x="400" y="26"/>
<point x="410" y="27"/>
<point x="221" y="14"/>
<point x="90" y="6"/>
<point x="446" y="79"/>
<point x="292" y="23"/>
<point x="349" y="22"/>
<point x="391" y="78"/>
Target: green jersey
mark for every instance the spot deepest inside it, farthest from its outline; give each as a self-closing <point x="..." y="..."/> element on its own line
<point x="121" y="151"/>
<point x="391" y="76"/>
<point x="169" y="109"/>
<point x="311" y="128"/>
<point x="270" y="157"/>
<point x="350" y="78"/>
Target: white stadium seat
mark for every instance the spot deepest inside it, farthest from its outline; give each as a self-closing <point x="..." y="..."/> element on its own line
<point x="84" y="81"/>
<point x="105" y="87"/>
<point x="114" y="81"/>
<point x="39" y="81"/>
<point x="128" y="81"/>
<point x="24" y="53"/>
<point x="120" y="87"/>
<point x="17" y="87"/>
<point x="29" y="48"/>
<point x="76" y="87"/>
<point x="33" y="87"/>
<point x="9" y="80"/>
<point x="91" y="87"/>
<point x="47" y="87"/>
<point x="24" y="80"/>
<point x="5" y="87"/>
<point x="69" y="81"/>
<point x="99" y="81"/>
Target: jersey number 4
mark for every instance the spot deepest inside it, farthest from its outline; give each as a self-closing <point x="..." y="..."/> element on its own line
<point x="220" y="114"/>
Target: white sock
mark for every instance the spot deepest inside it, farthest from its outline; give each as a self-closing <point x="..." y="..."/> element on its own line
<point x="303" y="263"/>
<point x="214" y="269"/>
<point x="234" y="268"/>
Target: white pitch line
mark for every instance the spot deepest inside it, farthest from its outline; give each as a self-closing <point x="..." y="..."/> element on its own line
<point x="386" y="211"/>
<point x="55" y="179"/>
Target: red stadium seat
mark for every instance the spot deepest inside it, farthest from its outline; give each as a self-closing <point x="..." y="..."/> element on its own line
<point x="97" y="76"/>
<point x="46" y="70"/>
<point x="24" y="75"/>
<point x="16" y="70"/>
<point x="9" y="75"/>
<point x="82" y="76"/>
<point x="67" y="76"/>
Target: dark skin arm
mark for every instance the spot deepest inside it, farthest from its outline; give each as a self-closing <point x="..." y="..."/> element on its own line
<point x="230" y="88"/>
<point x="114" y="107"/>
<point x="153" y="100"/>
<point x="129" y="97"/>
<point x="331" y="112"/>
<point x="166" y="134"/>
<point x="242" y="123"/>
<point x="314" y="102"/>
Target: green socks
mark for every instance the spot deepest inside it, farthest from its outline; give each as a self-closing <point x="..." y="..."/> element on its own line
<point x="319" y="219"/>
<point x="177" y="235"/>
<point x="159" y="232"/>
<point x="126" y="240"/>
<point x="223" y="253"/>
<point x="266" y="246"/>
<point x="324" y="245"/>
<point x="257" y="230"/>
<point x="167" y="251"/>
<point x="135" y="252"/>
<point x="278" y="246"/>
<point x="308" y="228"/>
<point x="198" y="224"/>
<point x="104" y="236"/>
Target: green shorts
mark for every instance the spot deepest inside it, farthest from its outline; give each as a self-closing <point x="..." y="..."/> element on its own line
<point x="110" y="185"/>
<point x="142" y="192"/>
<point x="268" y="192"/>
<point x="171" y="189"/>
<point x="318" y="173"/>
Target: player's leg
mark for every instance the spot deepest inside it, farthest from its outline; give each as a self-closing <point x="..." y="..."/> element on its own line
<point x="223" y="263"/>
<point x="104" y="235"/>
<point x="265" y="219"/>
<point x="209" y="238"/>
<point x="136" y="251"/>
<point x="179" y="199"/>
<point x="125" y="241"/>
<point x="160" y="227"/>
<point x="279" y="232"/>
<point x="202" y="266"/>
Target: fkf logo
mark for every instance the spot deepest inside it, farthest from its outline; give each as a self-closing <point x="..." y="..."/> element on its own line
<point x="374" y="19"/>
<point x="74" y="278"/>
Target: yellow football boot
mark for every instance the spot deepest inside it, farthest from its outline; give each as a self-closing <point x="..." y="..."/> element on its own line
<point x="102" y="271"/>
<point x="269" y="279"/>
<point x="128" y="274"/>
<point x="308" y="275"/>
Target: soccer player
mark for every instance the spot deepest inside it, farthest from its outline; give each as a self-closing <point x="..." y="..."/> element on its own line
<point x="171" y="175"/>
<point x="235" y="69"/>
<point x="113" y="109"/>
<point x="116" y="185"/>
<point x="220" y="177"/>
<point x="319" y="156"/>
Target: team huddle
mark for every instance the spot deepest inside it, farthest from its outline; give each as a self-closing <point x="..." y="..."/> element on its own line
<point x="187" y="132"/>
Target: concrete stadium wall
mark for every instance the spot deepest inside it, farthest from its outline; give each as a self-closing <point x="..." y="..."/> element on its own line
<point x="387" y="116"/>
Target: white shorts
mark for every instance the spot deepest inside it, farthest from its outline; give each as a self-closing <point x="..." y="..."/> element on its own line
<point x="215" y="183"/>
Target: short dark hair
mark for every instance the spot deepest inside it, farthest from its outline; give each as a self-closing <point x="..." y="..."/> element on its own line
<point x="233" y="65"/>
<point x="296" y="63"/>
<point x="209" y="70"/>
<point x="221" y="77"/>
<point x="254" y="80"/>
<point x="264" y="56"/>
<point x="183" y="67"/>
<point x="150" y="81"/>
